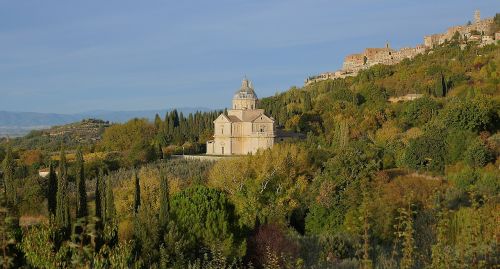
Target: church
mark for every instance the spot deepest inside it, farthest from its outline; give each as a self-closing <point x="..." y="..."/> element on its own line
<point x="244" y="129"/>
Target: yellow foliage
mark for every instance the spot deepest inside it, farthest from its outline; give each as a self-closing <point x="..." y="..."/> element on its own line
<point x="270" y="183"/>
<point x="389" y="132"/>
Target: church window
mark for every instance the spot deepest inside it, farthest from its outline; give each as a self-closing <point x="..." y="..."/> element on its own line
<point x="222" y="150"/>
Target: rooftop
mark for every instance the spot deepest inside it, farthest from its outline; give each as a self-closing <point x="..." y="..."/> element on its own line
<point x="246" y="91"/>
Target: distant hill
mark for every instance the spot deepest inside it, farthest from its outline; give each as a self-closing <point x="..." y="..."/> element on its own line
<point x="20" y="123"/>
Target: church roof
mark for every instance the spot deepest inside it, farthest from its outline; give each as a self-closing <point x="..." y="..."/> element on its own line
<point x="233" y="118"/>
<point x="246" y="91"/>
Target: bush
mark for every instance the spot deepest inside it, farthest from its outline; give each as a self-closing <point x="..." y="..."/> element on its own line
<point x="207" y="219"/>
<point x="477" y="154"/>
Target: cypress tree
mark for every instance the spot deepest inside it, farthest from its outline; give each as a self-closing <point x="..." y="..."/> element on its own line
<point x="158" y="122"/>
<point x="81" y="192"/>
<point x="8" y="176"/>
<point x="164" y="206"/>
<point x="444" y="87"/>
<point x="52" y="191"/>
<point x="62" y="207"/>
<point x="137" y="194"/>
<point x="109" y="202"/>
<point x="98" y="206"/>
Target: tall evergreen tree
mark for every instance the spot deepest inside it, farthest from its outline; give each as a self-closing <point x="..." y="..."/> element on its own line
<point x="444" y="87"/>
<point x="52" y="191"/>
<point x="98" y="195"/>
<point x="164" y="201"/>
<point x="62" y="208"/>
<point x="137" y="193"/>
<point x="81" y="192"/>
<point x="109" y="209"/>
<point x="8" y="166"/>
<point x="158" y="122"/>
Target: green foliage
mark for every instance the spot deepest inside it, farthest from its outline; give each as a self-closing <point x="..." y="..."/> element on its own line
<point x="477" y="114"/>
<point x="457" y="142"/>
<point x="82" y="251"/>
<point x="8" y="167"/>
<point x="133" y="139"/>
<point x="10" y="236"/>
<point x="420" y="111"/>
<point x="477" y="154"/>
<point x="267" y="186"/>
<point x="426" y="152"/>
<point x="340" y="186"/>
<point x="406" y="232"/>
<point x="146" y="232"/>
<point x="207" y="219"/>
<point x="81" y="192"/>
<point x="339" y="199"/>
<point x="137" y="192"/>
<point x="62" y="199"/>
<point x="52" y="191"/>
<point x="164" y="202"/>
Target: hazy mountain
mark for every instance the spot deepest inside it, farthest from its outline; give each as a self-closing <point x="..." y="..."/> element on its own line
<point x="20" y="123"/>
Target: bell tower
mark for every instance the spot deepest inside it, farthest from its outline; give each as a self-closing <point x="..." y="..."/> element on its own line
<point x="477" y="16"/>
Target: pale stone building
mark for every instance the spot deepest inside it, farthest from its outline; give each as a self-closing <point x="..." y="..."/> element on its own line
<point x="469" y="32"/>
<point x="244" y="129"/>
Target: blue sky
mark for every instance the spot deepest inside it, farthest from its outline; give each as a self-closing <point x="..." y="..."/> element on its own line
<point x="73" y="56"/>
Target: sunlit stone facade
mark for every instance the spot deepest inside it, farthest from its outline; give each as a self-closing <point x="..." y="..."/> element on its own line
<point x="244" y="129"/>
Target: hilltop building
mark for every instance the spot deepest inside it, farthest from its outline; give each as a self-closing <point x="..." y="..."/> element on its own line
<point x="471" y="31"/>
<point x="478" y="31"/>
<point x="244" y="129"/>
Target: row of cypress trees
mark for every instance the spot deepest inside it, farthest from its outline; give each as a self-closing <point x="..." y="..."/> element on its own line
<point x="58" y="194"/>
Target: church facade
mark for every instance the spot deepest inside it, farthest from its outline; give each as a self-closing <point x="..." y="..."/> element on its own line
<point x="244" y="129"/>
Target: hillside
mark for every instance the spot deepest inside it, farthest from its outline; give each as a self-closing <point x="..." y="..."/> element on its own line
<point x="20" y="123"/>
<point x="85" y="132"/>
<point x="410" y="184"/>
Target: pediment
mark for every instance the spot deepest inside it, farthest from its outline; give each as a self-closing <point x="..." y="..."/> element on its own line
<point x="262" y="118"/>
<point x="222" y="119"/>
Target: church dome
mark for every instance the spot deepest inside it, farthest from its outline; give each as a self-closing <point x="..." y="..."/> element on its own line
<point x="246" y="91"/>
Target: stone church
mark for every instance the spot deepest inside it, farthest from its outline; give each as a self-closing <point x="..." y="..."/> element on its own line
<point x="244" y="129"/>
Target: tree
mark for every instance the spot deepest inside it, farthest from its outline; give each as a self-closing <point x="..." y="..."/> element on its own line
<point x="8" y="166"/>
<point x="98" y="195"/>
<point x="477" y="154"/>
<point x="109" y="209"/>
<point x="475" y="114"/>
<point x="134" y="139"/>
<point x="208" y="220"/>
<point x="406" y="231"/>
<point x="52" y="191"/>
<point x="137" y="192"/>
<point x="426" y="152"/>
<point x="81" y="192"/>
<point x="420" y="111"/>
<point x="164" y="203"/>
<point x="339" y="186"/>
<point x="10" y="235"/>
<point x="62" y="208"/>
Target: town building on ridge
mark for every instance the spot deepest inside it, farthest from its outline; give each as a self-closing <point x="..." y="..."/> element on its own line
<point x="478" y="31"/>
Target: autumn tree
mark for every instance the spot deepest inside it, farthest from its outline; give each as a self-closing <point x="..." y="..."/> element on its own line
<point x="164" y="201"/>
